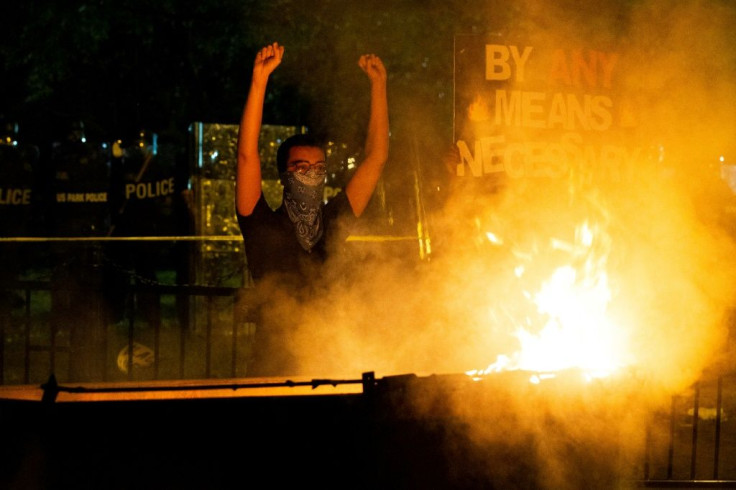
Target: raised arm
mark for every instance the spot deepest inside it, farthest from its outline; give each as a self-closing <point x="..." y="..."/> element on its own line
<point x="361" y="186"/>
<point x="248" y="181"/>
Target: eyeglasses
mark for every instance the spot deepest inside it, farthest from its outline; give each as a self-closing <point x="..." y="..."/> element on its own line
<point x="304" y="167"/>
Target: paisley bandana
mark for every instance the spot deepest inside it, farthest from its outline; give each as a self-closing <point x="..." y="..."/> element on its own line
<point x="303" y="203"/>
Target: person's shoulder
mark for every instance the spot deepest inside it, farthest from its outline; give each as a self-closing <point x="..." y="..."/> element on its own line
<point x="339" y="204"/>
<point x="260" y="208"/>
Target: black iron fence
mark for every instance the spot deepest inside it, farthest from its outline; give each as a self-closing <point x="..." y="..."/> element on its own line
<point x="122" y="308"/>
<point x="89" y="331"/>
<point x="693" y="445"/>
<point x="188" y="332"/>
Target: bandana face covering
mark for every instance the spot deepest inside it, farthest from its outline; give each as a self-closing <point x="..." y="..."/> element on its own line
<point x="303" y="203"/>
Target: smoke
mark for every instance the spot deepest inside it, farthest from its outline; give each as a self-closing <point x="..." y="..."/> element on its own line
<point x="663" y="235"/>
<point x="662" y="212"/>
<point x="676" y="219"/>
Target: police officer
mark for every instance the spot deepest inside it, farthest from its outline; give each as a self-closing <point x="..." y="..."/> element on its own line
<point x="17" y="212"/>
<point x="17" y="182"/>
<point x="145" y="194"/>
<point x="79" y="208"/>
<point x="80" y="185"/>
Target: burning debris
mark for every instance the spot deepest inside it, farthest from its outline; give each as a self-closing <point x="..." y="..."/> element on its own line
<point x="566" y="325"/>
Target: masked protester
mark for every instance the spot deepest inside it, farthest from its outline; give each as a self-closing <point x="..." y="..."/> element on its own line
<point x="290" y="243"/>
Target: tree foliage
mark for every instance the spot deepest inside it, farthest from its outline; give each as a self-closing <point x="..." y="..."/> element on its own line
<point x="126" y="64"/>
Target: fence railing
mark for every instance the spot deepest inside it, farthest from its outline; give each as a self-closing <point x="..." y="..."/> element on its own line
<point x="155" y="332"/>
<point x="694" y="444"/>
<point x="201" y="332"/>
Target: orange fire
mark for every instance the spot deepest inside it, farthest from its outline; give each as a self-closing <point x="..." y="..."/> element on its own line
<point x="575" y="332"/>
<point x="478" y="110"/>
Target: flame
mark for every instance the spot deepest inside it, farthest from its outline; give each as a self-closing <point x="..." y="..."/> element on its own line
<point x="572" y="329"/>
<point x="478" y="110"/>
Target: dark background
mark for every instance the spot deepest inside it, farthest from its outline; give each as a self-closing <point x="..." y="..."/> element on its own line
<point x="122" y="66"/>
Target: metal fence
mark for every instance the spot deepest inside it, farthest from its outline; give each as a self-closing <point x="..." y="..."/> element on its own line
<point x="188" y="332"/>
<point x="694" y="444"/>
<point x="201" y="332"/>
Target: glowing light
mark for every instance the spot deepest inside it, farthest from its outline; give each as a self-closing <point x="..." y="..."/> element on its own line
<point x="537" y="378"/>
<point x="494" y="239"/>
<point x="478" y="111"/>
<point x="570" y="329"/>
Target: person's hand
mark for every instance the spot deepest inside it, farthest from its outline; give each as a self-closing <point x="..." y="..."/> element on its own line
<point x="373" y="67"/>
<point x="267" y="59"/>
